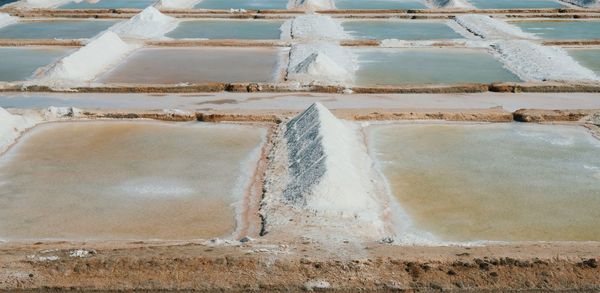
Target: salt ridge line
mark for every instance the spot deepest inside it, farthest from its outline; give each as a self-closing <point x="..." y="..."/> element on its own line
<point x="148" y="24"/>
<point x="321" y="180"/>
<point x="487" y="27"/>
<point x="312" y="27"/>
<point x="6" y="19"/>
<point x="88" y="62"/>
<point x="321" y="63"/>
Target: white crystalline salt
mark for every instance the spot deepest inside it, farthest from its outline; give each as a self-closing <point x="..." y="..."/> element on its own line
<point x="149" y="24"/>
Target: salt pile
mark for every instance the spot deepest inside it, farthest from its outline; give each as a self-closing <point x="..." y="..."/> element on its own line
<point x="534" y="62"/>
<point x="325" y="179"/>
<point x="486" y="27"/>
<point x="313" y="27"/>
<point x="6" y="19"/>
<point x="311" y="4"/>
<point x="12" y="126"/>
<point x="88" y="62"/>
<point x="450" y="3"/>
<point x="176" y="4"/>
<point x="149" y="24"/>
<point x="321" y="62"/>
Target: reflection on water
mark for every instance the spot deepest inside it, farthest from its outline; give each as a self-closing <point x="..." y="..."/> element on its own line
<point x="63" y="29"/>
<point x="124" y="180"/>
<point x="402" y="30"/>
<point x="243" y="4"/>
<point x="379" y="4"/>
<point x="494" y="182"/>
<point x="589" y="58"/>
<point x="573" y="30"/>
<point x="20" y="63"/>
<point x="515" y="4"/>
<point x="229" y="29"/>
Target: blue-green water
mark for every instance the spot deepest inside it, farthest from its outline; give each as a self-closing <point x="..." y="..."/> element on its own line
<point x="4" y="2"/>
<point x="589" y="58"/>
<point x="379" y="4"/>
<point x="562" y="29"/>
<point x="227" y="29"/>
<point x="63" y="29"/>
<point x="403" y="30"/>
<point x="243" y="4"/>
<point x="429" y="66"/>
<point x="510" y="4"/>
<point x="20" y="63"/>
<point x="109" y="4"/>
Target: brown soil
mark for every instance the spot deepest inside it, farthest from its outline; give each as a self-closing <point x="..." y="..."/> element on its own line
<point x="533" y="115"/>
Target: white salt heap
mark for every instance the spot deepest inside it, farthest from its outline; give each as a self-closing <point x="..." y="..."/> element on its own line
<point x="487" y="27"/>
<point x="176" y="4"/>
<point x="149" y="24"/>
<point x="12" y="126"/>
<point x="325" y="180"/>
<point x="311" y="5"/>
<point x="534" y="62"/>
<point x="313" y="27"/>
<point x="322" y="63"/>
<point x="89" y="61"/>
<point x="450" y="4"/>
<point x="6" y="19"/>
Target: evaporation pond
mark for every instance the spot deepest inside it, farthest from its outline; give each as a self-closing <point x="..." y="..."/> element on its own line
<point x="399" y="29"/>
<point x="504" y="182"/>
<point x="589" y="58"/>
<point x="242" y="4"/>
<point x="562" y="29"/>
<point x="228" y="29"/>
<point x="108" y="4"/>
<point x="59" y="29"/>
<point x="196" y="65"/>
<point x="126" y="180"/>
<point x="429" y="66"/>
<point x="515" y="4"/>
<point x="379" y="4"/>
<point x="21" y="63"/>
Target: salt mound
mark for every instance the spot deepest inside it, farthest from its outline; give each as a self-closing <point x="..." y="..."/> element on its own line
<point x="177" y="4"/>
<point x="330" y="64"/>
<point x="12" y="126"/>
<point x="148" y="24"/>
<point x="88" y="62"/>
<point x="311" y="4"/>
<point x="450" y="3"/>
<point x="313" y="27"/>
<point x="534" y="62"/>
<point x="486" y="27"/>
<point x="326" y="179"/>
<point x="6" y="19"/>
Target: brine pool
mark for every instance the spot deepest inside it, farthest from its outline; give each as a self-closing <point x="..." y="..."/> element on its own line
<point x="504" y="182"/>
<point x="196" y="65"/>
<point x="228" y="29"/>
<point x="20" y="63"/>
<point x="399" y="29"/>
<point x="589" y="58"/>
<point x="428" y="66"/>
<point x="108" y="4"/>
<point x="126" y="180"/>
<point x="379" y="4"/>
<point x="515" y="4"/>
<point x="58" y="29"/>
<point x="242" y="4"/>
<point x="573" y="30"/>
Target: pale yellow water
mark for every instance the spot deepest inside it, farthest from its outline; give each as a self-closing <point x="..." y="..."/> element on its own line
<point x="494" y="182"/>
<point x="125" y="180"/>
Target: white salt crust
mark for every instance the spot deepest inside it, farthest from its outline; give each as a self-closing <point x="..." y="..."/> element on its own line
<point x="176" y="4"/>
<point x="148" y="24"/>
<point x="487" y="27"/>
<point x="40" y="3"/>
<point x="313" y="27"/>
<point x="311" y="5"/>
<point x="6" y="19"/>
<point x="450" y="4"/>
<point x="322" y="63"/>
<point x="584" y="3"/>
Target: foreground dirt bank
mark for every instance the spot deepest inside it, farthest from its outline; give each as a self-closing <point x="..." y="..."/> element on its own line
<point x="296" y="266"/>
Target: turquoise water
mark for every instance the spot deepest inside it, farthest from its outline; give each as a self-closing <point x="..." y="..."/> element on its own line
<point x="589" y="58"/>
<point x="227" y="29"/>
<point x="243" y="4"/>
<point x="109" y="4"/>
<point x="562" y="29"/>
<point x="428" y="66"/>
<point x="20" y="63"/>
<point x="402" y="30"/>
<point x="63" y="29"/>
<point x="506" y="182"/>
<point x="4" y="2"/>
<point x="510" y="4"/>
<point x="379" y="4"/>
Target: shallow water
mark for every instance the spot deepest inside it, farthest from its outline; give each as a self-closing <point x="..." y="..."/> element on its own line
<point x="4" y="2"/>
<point x="423" y="66"/>
<point x="589" y="58"/>
<point x="196" y="65"/>
<point x="20" y="63"/>
<point x="515" y="4"/>
<point x="402" y="30"/>
<point x="242" y="4"/>
<point x="507" y="182"/>
<point x="124" y="180"/>
<point x="61" y="29"/>
<point x="229" y="29"/>
<point x="108" y="4"/>
<point x="379" y="4"/>
<point x="562" y="29"/>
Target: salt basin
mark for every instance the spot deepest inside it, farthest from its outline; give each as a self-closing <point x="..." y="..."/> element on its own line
<point x="55" y="29"/>
<point x="500" y="182"/>
<point x="126" y="180"/>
